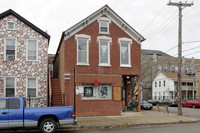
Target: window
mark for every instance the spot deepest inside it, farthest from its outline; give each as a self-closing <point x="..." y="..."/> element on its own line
<point x="10" y="49"/>
<point x="10" y="26"/>
<point x="159" y="83"/>
<point x="3" y="104"/>
<point x="104" y="50"/>
<point x="31" y="87"/>
<point x="10" y="86"/>
<point x="82" y="49"/>
<point x="51" y="69"/>
<point x="97" y="92"/>
<point x="125" y="55"/>
<point x="13" y="104"/>
<point x="164" y="83"/>
<point x="155" y="84"/>
<point x="104" y="25"/>
<point x="32" y="50"/>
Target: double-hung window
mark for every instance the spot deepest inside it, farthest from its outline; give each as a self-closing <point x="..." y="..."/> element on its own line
<point x="31" y="87"/>
<point x="125" y="52"/>
<point x="32" y="50"/>
<point x="10" y="86"/>
<point x="10" y="47"/>
<point x="104" y="50"/>
<point x="104" y="25"/>
<point x="10" y="25"/>
<point x="82" y="49"/>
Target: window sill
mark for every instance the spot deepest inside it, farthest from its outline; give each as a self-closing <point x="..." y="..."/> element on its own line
<point x="106" y="33"/>
<point x="125" y="66"/>
<point x="82" y="64"/>
<point x="105" y="65"/>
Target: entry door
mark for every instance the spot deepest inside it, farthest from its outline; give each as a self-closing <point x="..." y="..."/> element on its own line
<point x="3" y="114"/>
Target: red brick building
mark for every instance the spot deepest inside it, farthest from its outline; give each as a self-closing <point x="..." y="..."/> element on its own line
<point x="107" y="53"/>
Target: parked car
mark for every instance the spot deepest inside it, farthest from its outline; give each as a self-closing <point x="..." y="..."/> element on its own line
<point x="191" y="104"/>
<point x="145" y="105"/>
<point x="13" y="114"/>
<point x="169" y="102"/>
<point x="153" y="102"/>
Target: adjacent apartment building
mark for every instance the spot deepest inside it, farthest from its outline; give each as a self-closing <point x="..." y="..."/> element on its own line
<point x="106" y="52"/>
<point x="23" y="59"/>
<point x="154" y="61"/>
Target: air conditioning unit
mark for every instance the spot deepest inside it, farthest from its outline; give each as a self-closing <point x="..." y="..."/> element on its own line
<point x="10" y="57"/>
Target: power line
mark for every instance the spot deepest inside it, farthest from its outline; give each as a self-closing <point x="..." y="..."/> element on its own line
<point x="193" y="53"/>
<point x="191" y="42"/>
<point x="153" y="18"/>
<point x="191" y="49"/>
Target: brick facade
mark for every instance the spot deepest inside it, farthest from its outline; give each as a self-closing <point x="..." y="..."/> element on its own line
<point x="87" y="74"/>
<point x="20" y="68"/>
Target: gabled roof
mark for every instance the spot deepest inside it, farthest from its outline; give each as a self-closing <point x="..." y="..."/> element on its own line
<point x="174" y="75"/>
<point x="11" y="12"/>
<point x="105" y="10"/>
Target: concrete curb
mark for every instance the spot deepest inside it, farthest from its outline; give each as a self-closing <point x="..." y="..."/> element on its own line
<point x="124" y="126"/>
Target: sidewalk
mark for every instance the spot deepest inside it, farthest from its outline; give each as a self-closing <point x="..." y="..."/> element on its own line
<point x="131" y="119"/>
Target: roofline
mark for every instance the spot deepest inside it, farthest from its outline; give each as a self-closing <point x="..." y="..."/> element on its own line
<point x="85" y="19"/>
<point x="11" y="12"/>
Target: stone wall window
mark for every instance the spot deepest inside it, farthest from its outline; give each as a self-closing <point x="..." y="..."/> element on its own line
<point x="32" y="50"/>
<point x="31" y="87"/>
<point x="82" y="49"/>
<point x="97" y="92"/>
<point x="10" y="25"/>
<point x="10" y="86"/>
<point x="10" y="48"/>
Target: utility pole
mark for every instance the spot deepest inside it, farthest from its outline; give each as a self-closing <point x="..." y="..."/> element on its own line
<point x="180" y="5"/>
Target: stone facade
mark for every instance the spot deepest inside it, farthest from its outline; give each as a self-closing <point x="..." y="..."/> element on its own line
<point x="21" y="68"/>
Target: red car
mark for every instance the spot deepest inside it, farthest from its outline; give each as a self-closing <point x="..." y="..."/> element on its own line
<point x="191" y="103"/>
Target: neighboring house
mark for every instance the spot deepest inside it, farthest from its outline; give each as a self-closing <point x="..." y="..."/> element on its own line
<point x="107" y="53"/>
<point x="154" y="61"/>
<point x="23" y="59"/>
<point x="165" y="86"/>
<point x="198" y="84"/>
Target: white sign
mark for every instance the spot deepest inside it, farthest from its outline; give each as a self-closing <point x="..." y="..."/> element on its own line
<point x="79" y="90"/>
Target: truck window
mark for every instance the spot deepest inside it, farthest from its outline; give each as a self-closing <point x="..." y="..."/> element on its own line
<point x="13" y="103"/>
<point x="2" y="104"/>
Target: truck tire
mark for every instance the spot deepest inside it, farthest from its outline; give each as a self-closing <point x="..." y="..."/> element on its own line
<point x="48" y="125"/>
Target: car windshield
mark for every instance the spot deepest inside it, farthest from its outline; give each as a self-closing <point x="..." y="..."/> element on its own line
<point x="142" y="101"/>
<point x="196" y="100"/>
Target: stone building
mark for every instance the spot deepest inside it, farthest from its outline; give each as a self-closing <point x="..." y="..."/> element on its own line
<point x="107" y="53"/>
<point x="155" y="61"/>
<point x="23" y="59"/>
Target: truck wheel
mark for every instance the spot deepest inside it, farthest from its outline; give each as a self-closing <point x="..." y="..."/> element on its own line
<point x="48" y="125"/>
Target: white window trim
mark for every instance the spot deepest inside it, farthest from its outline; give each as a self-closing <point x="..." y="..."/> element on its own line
<point x="109" y="39"/>
<point x="36" y="87"/>
<point x="5" y="40"/>
<point x="8" y="27"/>
<point x="104" y="19"/>
<point x="5" y="84"/>
<point x="124" y="39"/>
<point x="83" y="36"/>
<point x="27" y="49"/>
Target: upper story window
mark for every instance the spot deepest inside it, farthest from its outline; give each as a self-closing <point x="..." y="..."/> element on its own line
<point x="159" y="83"/>
<point x="10" y="25"/>
<point x="104" y="50"/>
<point x="10" y="86"/>
<point x="155" y="84"/>
<point x="104" y="25"/>
<point x="10" y="48"/>
<point x="32" y="50"/>
<point x="82" y="49"/>
<point x="31" y="87"/>
<point x="164" y="83"/>
<point x="125" y="52"/>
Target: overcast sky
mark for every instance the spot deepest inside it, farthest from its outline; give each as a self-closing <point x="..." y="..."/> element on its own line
<point x="153" y="19"/>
